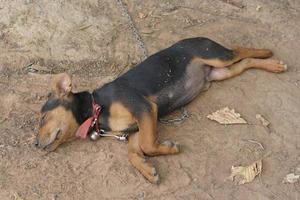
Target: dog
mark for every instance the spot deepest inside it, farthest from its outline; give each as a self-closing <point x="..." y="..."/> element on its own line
<point x="132" y="103"/>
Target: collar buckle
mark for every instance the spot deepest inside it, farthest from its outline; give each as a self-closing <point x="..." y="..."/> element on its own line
<point x="96" y="135"/>
<point x="91" y="122"/>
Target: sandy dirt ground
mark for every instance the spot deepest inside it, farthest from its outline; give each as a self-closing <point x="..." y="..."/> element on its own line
<point x="91" y="40"/>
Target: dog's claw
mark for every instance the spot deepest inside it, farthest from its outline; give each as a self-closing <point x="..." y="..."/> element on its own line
<point x="156" y="180"/>
<point x="169" y="143"/>
<point x="284" y="65"/>
<point x="172" y="144"/>
<point x="154" y="172"/>
<point x="177" y="146"/>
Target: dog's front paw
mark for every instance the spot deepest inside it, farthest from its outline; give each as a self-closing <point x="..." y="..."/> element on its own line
<point x="156" y="179"/>
<point x="153" y="176"/>
<point x="172" y="144"/>
<point x="150" y="172"/>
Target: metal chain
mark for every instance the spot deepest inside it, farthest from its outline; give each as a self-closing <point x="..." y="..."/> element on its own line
<point x="178" y="120"/>
<point x="141" y="44"/>
<point x="133" y="28"/>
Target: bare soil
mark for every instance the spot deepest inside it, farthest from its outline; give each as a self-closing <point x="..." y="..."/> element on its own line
<point x="92" y="41"/>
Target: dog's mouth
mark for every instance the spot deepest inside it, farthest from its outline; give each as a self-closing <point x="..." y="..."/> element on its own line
<point x="54" y="141"/>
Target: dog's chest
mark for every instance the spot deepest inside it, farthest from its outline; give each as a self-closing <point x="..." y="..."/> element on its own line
<point x="118" y="119"/>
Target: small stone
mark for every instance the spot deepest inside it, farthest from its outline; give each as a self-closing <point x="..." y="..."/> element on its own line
<point x="258" y="8"/>
<point x="291" y="178"/>
<point x="142" y="15"/>
<point x="262" y="120"/>
<point x="141" y="195"/>
<point x="55" y="197"/>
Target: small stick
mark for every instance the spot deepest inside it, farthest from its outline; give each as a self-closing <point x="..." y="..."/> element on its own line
<point x="255" y="142"/>
<point x="230" y="2"/>
<point x="84" y="27"/>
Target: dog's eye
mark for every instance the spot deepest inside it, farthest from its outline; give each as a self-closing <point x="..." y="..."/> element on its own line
<point x="50" y="95"/>
<point x="58" y="134"/>
<point x="42" y="121"/>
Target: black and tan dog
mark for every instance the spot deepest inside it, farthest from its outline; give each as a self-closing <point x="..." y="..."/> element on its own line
<point x="133" y="102"/>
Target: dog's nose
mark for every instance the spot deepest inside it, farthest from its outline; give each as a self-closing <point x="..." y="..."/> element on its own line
<point x="35" y="143"/>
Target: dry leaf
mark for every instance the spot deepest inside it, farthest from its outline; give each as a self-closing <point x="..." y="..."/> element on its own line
<point x="291" y="178"/>
<point x="246" y="174"/>
<point x="17" y="197"/>
<point x="227" y="116"/>
<point x="262" y="120"/>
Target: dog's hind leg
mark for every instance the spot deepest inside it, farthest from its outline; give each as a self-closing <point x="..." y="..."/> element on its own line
<point x="148" y="135"/>
<point x="237" y="55"/>
<point x="271" y="65"/>
<point x="137" y="159"/>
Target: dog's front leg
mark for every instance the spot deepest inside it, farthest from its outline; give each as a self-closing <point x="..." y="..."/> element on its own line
<point x="148" y="142"/>
<point x="136" y="157"/>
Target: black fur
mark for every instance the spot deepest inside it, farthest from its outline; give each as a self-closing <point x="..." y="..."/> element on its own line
<point x="163" y="75"/>
<point x="80" y="105"/>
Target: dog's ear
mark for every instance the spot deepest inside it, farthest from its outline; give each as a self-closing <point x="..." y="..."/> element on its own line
<point x="62" y="85"/>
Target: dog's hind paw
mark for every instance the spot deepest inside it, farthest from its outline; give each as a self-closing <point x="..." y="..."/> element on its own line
<point x="172" y="144"/>
<point x="275" y="66"/>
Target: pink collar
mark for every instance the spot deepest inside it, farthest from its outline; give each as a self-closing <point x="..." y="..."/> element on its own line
<point x="91" y="122"/>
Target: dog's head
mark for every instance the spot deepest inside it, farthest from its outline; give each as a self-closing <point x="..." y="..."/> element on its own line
<point x="58" y="122"/>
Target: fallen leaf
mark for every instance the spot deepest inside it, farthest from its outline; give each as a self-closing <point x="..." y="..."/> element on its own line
<point x="17" y="197"/>
<point x="262" y="120"/>
<point x="227" y="116"/>
<point x="291" y="178"/>
<point x="246" y="174"/>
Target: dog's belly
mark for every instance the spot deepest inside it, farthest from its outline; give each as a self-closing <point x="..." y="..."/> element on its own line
<point x="185" y="89"/>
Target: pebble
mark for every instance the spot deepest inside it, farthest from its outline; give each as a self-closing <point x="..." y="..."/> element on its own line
<point x="141" y="195"/>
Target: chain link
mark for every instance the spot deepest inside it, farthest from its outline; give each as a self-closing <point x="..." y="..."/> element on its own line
<point x="133" y="28"/>
<point x="141" y="44"/>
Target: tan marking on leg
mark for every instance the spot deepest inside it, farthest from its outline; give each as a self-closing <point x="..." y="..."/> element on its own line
<point x="271" y="65"/>
<point x="151" y="98"/>
<point x="213" y="62"/>
<point x="252" y="53"/>
<point x="120" y="117"/>
<point x="239" y="54"/>
<point x="137" y="159"/>
<point x="148" y="135"/>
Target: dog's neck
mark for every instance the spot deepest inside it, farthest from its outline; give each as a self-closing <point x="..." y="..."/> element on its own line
<point x="83" y="106"/>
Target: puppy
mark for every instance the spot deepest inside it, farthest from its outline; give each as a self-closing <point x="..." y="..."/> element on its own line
<point x="132" y="103"/>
